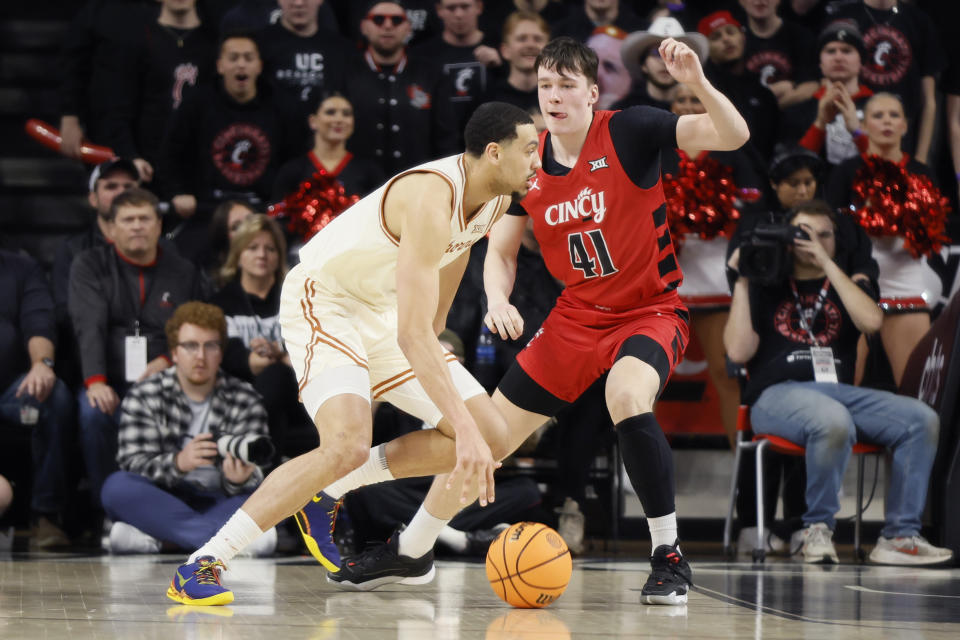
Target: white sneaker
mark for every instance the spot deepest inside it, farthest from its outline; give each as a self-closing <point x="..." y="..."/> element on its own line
<point x="818" y="545"/>
<point x="747" y="541"/>
<point x="126" y="538"/>
<point x="570" y="525"/>
<point x="908" y="550"/>
<point x="264" y="546"/>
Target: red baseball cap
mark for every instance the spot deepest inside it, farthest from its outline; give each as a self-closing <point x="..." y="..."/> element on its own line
<point x="715" y="20"/>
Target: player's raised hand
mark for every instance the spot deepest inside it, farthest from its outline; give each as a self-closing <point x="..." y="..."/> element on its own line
<point x="680" y="60"/>
<point x="505" y="321"/>
<point x="475" y="464"/>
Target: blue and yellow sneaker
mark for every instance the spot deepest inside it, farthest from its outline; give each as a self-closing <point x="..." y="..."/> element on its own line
<point x="198" y="583"/>
<point x="316" y="521"/>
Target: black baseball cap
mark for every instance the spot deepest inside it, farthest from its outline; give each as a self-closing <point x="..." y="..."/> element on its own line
<point x="845" y="31"/>
<point x="116" y="164"/>
<point x="789" y="158"/>
<point x="370" y="5"/>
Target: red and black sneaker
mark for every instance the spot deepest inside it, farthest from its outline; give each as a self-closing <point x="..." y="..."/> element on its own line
<point x="670" y="579"/>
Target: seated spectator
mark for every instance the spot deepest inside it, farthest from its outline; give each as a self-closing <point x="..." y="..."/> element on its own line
<point x="727" y="70"/>
<point x="225" y="142"/>
<point x="652" y="83"/>
<point x="779" y="53"/>
<point x="798" y="340"/>
<point x="250" y="299"/>
<point x="581" y="20"/>
<point x="524" y="34"/>
<point x="224" y="223"/>
<point x="107" y="180"/>
<point x="613" y="79"/>
<point x="465" y="56"/>
<point x="302" y="59"/>
<point x="836" y="108"/>
<point x="394" y="95"/>
<point x="332" y="124"/>
<point x="120" y="297"/>
<point x="30" y="393"/>
<point x="189" y="443"/>
<point x="164" y="62"/>
<point x="902" y="56"/>
<point x="907" y="283"/>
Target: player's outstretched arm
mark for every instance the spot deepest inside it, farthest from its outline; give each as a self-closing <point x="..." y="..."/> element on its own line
<point x="419" y="205"/>
<point x="499" y="274"/>
<point x="721" y="128"/>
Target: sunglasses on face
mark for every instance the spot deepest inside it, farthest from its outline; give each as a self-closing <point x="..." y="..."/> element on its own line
<point x="380" y="18"/>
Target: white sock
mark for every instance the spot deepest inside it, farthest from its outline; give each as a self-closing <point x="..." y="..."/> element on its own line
<point x="239" y="531"/>
<point x="421" y="534"/>
<point x="663" y="530"/>
<point x="456" y="540"/>
<point x="372" y="471"/>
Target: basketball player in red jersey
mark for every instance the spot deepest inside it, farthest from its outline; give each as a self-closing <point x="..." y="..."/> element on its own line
<point x="599" y="215"/>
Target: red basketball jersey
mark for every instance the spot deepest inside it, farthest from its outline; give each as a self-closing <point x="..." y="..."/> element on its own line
<point x="602" y="235"/>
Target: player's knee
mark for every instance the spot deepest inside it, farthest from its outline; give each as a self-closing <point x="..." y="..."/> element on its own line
<point x="625" y="402"/>
<point x="352" y="455"/>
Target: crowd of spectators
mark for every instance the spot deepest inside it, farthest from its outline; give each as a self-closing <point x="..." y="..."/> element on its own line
<point x="218" y="109"/>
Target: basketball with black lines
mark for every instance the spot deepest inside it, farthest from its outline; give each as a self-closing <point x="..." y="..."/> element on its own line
<point x="529" y="565"/>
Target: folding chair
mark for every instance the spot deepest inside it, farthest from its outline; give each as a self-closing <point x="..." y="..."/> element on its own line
<point x="760" y="443"/>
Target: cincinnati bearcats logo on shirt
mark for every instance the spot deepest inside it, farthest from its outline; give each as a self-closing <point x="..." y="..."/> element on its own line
<point x="587" y="204"/>
<point x="419" y="98"/>
<point x="771" y="66"/>
<point x="787" y="321"/>
<point x="599" y="163"/>
<point x="888" y="55"/>
<point x="241" y="153"/>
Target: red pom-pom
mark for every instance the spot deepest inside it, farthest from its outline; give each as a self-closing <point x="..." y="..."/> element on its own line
<point x="702" y="198"/>
<point x="313" y="206"/>
<point x="888" y="200"/>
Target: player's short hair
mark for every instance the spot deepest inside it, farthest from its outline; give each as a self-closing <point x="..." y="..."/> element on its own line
<point x="514" y="19"/>
<point x="567" y="55"/>
<point x="135" y="197"/>
<point x="493" y="122"/>
<point x="814" y="207"/>
<point x="201" y="314"/>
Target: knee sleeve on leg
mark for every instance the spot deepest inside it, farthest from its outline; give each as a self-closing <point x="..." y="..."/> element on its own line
<point x="649" y="463"/>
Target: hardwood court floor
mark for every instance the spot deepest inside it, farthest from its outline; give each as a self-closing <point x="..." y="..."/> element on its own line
<point x="81" y="597"/>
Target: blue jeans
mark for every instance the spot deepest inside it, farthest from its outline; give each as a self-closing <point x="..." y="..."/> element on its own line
<point x="98" y="442"/>
<point x="827" y="418"/>
<point x="48" y="444"/>
<point x="185" y="516"/>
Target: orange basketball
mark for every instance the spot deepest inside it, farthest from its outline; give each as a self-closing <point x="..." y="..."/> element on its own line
<point x="528" y="565"/>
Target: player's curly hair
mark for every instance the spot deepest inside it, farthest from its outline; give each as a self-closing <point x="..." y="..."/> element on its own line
<point x="201" y="314"/>
<point x="493" y="122"/>
<point x="566" y="55"/>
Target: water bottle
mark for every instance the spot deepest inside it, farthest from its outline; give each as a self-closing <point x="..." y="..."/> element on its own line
<point x="485" y="360"/>
<point x="29" y="410"/>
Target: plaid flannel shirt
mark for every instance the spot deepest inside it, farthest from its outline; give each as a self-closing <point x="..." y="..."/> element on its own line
<point x="155" y="417"/>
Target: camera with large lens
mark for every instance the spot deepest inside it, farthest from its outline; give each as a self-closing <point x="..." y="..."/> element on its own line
<point x="250" y="447"/>
<point x="764" y="256"/>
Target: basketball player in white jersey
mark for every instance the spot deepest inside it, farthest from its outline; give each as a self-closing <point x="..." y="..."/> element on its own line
<point x="360" y="316"/>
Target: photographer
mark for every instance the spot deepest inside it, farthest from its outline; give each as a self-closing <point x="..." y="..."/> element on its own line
<point x="191" y="438"/>
<point x="798" y="339"/>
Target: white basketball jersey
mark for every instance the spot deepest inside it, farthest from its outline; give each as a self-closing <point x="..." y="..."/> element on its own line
<point x="357" y="255"/>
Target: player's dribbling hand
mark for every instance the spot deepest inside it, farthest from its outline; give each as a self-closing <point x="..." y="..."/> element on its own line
<point x="474" y="463"/>
<point x="680" y="60"/>
<point x="504" y="320"/>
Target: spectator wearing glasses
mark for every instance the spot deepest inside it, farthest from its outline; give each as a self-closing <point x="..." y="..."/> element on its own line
<point x="179" y="481"/>
<point x="394" y="95"/>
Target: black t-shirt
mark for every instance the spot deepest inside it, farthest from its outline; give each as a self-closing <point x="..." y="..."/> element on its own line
<point x="639" y="96"/>
<point x="359" y="177"/>
<point x="783" y="351"/>
<point x="502" y="91"/>
<point x="786" y="55"/>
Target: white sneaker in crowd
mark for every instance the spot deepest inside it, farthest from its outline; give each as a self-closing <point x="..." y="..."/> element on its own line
<point x="818" y="545"/>
<point x="126" y="538"/>
<point x="908" y="550"/>
<point x="747" y="541"/>
<point x="571" y="524"/>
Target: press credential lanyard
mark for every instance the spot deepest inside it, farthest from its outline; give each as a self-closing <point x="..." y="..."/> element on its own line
<point x="824" y="367"/>
<point x="135" y="346"/>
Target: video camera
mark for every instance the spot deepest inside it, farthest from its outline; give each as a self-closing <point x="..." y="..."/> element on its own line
<point x="250" y="448"/>
<point x="764" y="255"/>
